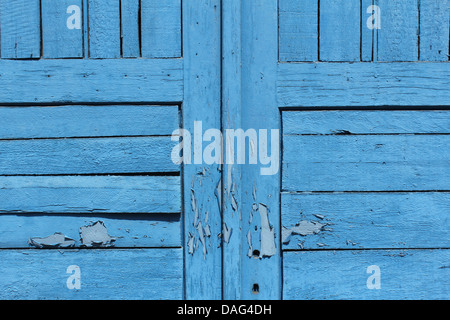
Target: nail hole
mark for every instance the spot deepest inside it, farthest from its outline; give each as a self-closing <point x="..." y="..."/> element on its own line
<point x="256" y="254"/>
<point x="255" y="289"/>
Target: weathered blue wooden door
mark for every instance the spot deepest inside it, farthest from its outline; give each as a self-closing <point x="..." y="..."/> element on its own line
<point x="337" y="187"/>
<point x="360" y="93"/>
<point x="91" y="203"/>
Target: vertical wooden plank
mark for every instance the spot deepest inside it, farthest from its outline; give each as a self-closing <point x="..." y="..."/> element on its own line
<point x="434" y="30"/>
<point x="20" y="29"/>
<point x="340" y="27"/>
<point x="202" y="182"/>
<point x="85" y="4"/>
<point x="130" y="28"/>
<point x="261" y="247"/>
<point x="298" y="33"/>
<point x="104" y="29"/>
<point x="58" y="40"/>
<point x="161" y="28"/>
<point x="367" y="34"/>
<point x="231" y="119"/>
<point x="398" y="36"/>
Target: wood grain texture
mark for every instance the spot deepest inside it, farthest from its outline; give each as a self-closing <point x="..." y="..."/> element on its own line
<point x="298" y="30"/>
<point x="56" y="81"/>
<point x="231" y="118"/>
<point x="87" y="156"/>
<point x="90" y="194"/>
<point x="58" y="41"/>
<point x="20" y="29"/>
<point x="130" y="32"/>
<point x="161" y="28"/>
<point x="365" y="122"/>
<point x="405" y="274"/>
<point x="398" y="37"/>
<point x="105" y="274"/>
<point x="363" y="84"/>
<point x="434" y="30"/>
<point x="340" y="30"/>
<point x="129" y="230"/>
<point x="202" y="200"/>
<point x="259" y="111"/>
<point x="104" y="29"/>
<point x="366" y="163"/>
<point x="367" y="34"/>
<point x="369" y="220"/>
<point x="87" y="121"/>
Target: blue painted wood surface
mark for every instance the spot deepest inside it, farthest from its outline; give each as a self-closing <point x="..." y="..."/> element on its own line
<point x="88" y="194"/>
<point x="104" y="29"/>
<point x="87" y="121"/>
<point x="367" y="34"/>
<point x="298" y="33"/>
<point x="381" y="175"/>
<point x="434" y="30"/>
<point x="261" y="263"/>
<point x="367" y="220"/>
<point x="130" y="229"/>
<point x="365" y="122"/>
<point x="87" y="156"/>
<point x="161" y="28"/>
<point x="130" y="28"/>
<point x="20" y="29"/>
<point x="202" y="183"/>
<point x="366" y="163"/>
<point x="398" y="38"/>
<point x="405" y="274"/>
<point x="91" y="81"/>
<point x="340" y="30"/>
<point x="58" y="41"/>
<point x="363" y="84"/>
<point x="231" y="118"/>
<point x="105" y="274"/>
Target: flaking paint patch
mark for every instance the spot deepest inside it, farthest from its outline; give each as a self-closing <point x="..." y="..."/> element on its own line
<point x="96" y="235"/>
<point x="201" y="234"/>
<point x="190" y="243"/>
<point x="249" y="242"/>
<point x="268" y="247"/>
<point x="226" y="233"/>
<point x="303" y="228"/>
<point x="218" y="194"/>
<point x="56" y="240"/>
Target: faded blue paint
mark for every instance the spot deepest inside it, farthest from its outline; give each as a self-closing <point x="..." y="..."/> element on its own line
<point x="88" y="139"/>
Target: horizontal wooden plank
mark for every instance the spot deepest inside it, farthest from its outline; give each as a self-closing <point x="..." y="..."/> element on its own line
<point x="405" y="274"/>
<point x="151" y="274"/>
<point x="136" y="230"/>
<point x="87" y="156"/>
<point x="367" y="220"/>
<point x="298" y="30"/>
<point x="90" y="81"/>
<point x="87" y="121"/>
<point x="365" y="122"/>
<point x="363" y="84"/>
<point x="161" y="28"/>
<point x="366" y="163"/>
<point x="90" y="194"/>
